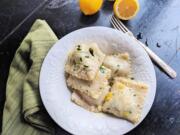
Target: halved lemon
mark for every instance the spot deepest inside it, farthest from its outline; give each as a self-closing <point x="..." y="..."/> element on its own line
<point x="126" y="9"/>
<point x="90" y="7"/>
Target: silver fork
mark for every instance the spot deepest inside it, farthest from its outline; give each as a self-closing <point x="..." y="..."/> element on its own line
<point x="117" y="24"/>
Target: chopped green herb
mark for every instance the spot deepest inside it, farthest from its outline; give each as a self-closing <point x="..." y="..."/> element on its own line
<point x="134" y="95"/>
<point x="100" y="88"/>
<point x="132" y="78"/>
<point x="130" y="112"/>
<point x="80" y="59"/>
<point x="116" y="71"/>
<point x="91" y="51"/>
<point x="111" y="83"/>
<point x="118" y="65"/>
<point x="79" y="48"/>
<point x="87" y="56"/>
<point x="85" y="66"/>
<point x="102" y="69"/>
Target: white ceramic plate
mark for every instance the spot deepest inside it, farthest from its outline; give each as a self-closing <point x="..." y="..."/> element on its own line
<point x="56" y="96"/>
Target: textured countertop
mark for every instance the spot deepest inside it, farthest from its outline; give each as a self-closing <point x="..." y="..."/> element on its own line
<point x="158" y="22"/>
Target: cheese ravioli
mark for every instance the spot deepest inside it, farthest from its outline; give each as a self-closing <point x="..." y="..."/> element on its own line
<point x="93" y="92"/>
<point x="84" y="61"/>
<point x="126" y="99"/>
<point x="119" y="64"/>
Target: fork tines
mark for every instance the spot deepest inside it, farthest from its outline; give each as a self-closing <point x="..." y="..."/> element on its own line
<point x="118" y="24"/>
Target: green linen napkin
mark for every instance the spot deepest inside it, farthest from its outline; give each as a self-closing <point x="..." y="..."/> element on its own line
<point x="23" y="112"/>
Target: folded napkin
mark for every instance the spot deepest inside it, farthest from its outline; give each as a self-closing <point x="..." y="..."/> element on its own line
<point x="23" y="112"/>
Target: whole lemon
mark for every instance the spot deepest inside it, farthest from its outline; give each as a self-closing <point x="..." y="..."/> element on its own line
<point x="90" y="7"/>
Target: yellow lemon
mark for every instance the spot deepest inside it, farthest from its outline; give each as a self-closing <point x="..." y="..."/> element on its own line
<point x="126" y="9"/>
<point x="90" y="7"/>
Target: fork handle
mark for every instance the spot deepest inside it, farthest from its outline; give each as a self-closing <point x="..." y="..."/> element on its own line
<point x="159" y="61"/>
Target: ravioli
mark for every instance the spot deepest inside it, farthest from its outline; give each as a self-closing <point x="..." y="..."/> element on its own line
<point x="119" y="64"/>
<point x="93" y="92"/>
<point x="101" y="83"/>
<point x="78" y="99"/>
<point x="84" y="61"/>
<point x="75" y="97"/>
<point x="126" y="99"/>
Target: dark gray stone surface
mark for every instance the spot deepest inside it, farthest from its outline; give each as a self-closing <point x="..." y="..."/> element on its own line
<point x="158" y="21"/>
